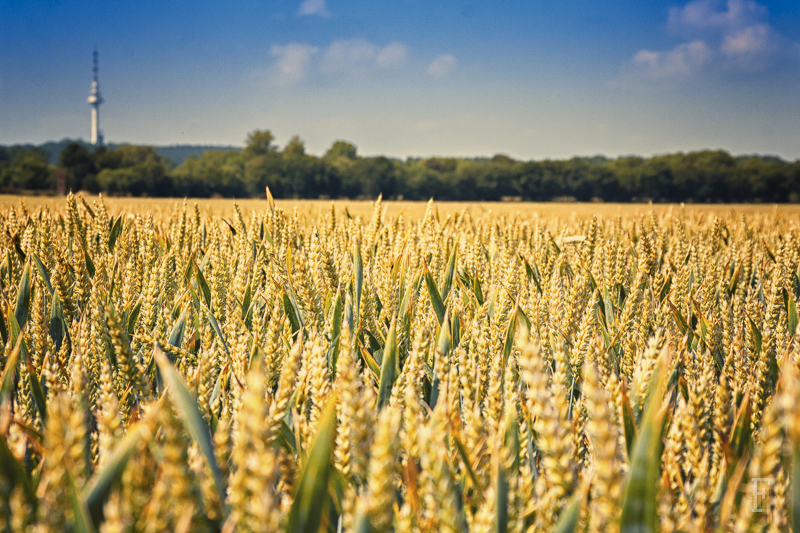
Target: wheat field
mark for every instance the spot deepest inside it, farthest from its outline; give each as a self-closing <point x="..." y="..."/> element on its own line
<point x="317" y="366"/>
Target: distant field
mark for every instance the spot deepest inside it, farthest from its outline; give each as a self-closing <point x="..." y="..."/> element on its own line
<point x="363" y="208"/>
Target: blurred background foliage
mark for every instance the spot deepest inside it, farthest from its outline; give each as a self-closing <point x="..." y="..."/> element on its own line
<point x="290" y="172"/>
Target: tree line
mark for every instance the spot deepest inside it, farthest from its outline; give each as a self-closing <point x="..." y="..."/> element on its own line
<point x="290" y="172"/>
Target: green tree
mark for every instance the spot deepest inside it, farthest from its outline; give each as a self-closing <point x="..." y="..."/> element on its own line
<point x="340" y="150"/>
<point x="422" y="181"/>
<point x="295" y="148"/>
<point x="79" y="167"/>
<point x="371" y="176"/>
<point x="482" y="180"/>
<point x="137" y="170"/>
<point x="5" y="158"/>
<point x="213" y="172"/>
<point x="28" y="170"/>
<point x="264" y="171"/>
<point x="259" y="142"/>
<point x="147" y="179"/>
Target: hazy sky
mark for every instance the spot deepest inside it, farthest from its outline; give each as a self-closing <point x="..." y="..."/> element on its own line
<point x="532" y="79"/>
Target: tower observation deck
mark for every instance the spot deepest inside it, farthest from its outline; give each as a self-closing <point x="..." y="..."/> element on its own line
<point x="95" y="100"/>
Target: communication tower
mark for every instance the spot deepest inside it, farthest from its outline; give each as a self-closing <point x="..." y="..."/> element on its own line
<point x="95" y="100"/>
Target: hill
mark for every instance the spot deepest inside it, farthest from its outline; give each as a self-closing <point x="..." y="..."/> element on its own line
<point x="176" y="153"/>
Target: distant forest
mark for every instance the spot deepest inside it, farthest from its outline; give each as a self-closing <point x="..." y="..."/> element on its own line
<point x="704" y="176"/>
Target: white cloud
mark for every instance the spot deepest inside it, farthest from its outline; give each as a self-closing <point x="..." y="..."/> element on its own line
<point x="752" y="48"/>
<point x="753" y="39"/>
<point x="721" y="35"/>
<point x="683" y="60"/>
<point x="313" y="7"/>
<point x="442" y="66"/>
<point x="295" y="62"/>
<point x="292" y="63"/>
<point x="392" y="55"/>
<point x="713" y="14"/>
<point x="348" y="55"/>
<point x="359" y="56"/>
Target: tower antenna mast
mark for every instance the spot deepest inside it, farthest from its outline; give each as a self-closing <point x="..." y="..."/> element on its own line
<point x="95" y="100"/>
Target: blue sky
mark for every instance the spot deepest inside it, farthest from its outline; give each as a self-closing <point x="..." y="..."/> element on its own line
<point x="539" y="79"/>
